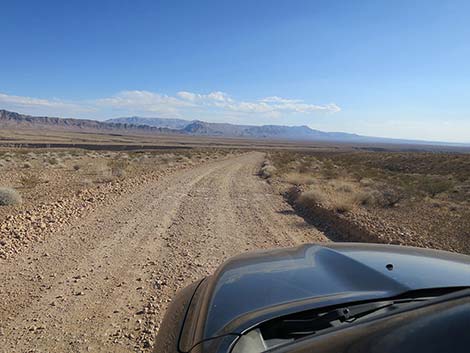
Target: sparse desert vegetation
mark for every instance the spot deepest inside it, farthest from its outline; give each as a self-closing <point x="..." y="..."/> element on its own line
<point x="9" y="197"/>
<point x="42" y="189"/>
<point x="412" y="198"/>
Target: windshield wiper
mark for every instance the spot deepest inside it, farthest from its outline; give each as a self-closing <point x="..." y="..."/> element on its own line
<point x="293" y="327"/>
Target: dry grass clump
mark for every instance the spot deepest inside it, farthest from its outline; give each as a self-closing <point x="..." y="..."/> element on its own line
<point x="30" y="181"/>
<point x="338" y="202"/>
<point x="311" y="198"/>
<point x="367" y="197"/>
<point x="9" y="197"/>
<point x="343" y="204"/>
<point x="167" y="157"/>
<point x="54" y="161"/>
<point x="329" y="170"/>
<point x="342" y="186"/>
<point x="366" y="182"/>
<point x="299" y="179"/>
<point x="118" y="167"/>
<point x="32" y="155"/>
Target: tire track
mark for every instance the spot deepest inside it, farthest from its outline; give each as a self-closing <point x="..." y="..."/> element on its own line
<point x="103" y="285"/>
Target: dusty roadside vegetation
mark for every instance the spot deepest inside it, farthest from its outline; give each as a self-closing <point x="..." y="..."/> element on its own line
<point x="42" y="190"/>
<point x="409" y="198"/>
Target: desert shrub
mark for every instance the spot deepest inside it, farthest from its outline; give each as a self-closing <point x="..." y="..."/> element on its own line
<point x="303" y="166"/>
<point x="367" y="197"/>
<point x="435" y="185"/>
<point x="341" y="186"/>
<point x="167" y="157"/>
<point x="329" y="170"/>
<point x="267" y="171"/>
<point x="30" y="181"/>
<point x="342" y="204"/>
<point x="32" y="155"/>
<point x="86" y="182"/>
<point x="366" y="182"/>
<point x="390" y="196"/>
<point x="118" y="167"/>
<point x="54" y="161"/>
<point x="66" y="156"/>
<point x="299" y="179"/>
<point x="9" y="196"/>
<point x="76" y="167"/>
<point x="311" y="198"/>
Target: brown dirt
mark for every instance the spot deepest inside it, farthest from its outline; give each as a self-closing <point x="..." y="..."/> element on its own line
<point x="102" y="283"/>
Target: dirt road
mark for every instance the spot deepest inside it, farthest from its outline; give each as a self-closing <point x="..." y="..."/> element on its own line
<point x="103" y="285"/>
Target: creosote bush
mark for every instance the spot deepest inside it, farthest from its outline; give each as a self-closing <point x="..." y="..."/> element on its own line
<point x="435" y="185"/>
<point x="9" y="197"/>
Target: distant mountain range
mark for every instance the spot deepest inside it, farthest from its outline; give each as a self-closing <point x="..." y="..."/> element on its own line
<point x="192" y="128"/>
<point x="21" y="121"/>
<point x="202" y="128"/>
<point x="280" y="132"/>
<point x="155" y="122"/>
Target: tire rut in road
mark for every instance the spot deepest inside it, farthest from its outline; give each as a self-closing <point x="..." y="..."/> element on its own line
<point x="105" y="283"/>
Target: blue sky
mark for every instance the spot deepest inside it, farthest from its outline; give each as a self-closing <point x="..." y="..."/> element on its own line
<point x="384" y="68"/>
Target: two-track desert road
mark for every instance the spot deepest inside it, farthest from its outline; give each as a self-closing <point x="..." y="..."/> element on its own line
<point x="103" y="284"/>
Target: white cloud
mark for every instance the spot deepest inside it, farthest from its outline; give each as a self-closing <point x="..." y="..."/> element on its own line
<point x="211" y="97"/>
<point x="40" y="106"/>
<point x="184" y="104"/>
<point x="33" y="102"/>
<point x="276" y="99"/>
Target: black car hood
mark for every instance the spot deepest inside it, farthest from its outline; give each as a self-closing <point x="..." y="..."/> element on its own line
<point x="254" y="284"/>
<point x="258" y="286"/>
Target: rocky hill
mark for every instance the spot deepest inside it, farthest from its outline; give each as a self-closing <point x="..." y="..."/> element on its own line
<point x="202" y="128"/>
<point x="195" y="128"/>
<point x="156" y="122"/>
<point x="21" y="121"/>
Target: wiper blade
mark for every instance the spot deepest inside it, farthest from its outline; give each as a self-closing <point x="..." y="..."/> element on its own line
<point x="300" y="326"/>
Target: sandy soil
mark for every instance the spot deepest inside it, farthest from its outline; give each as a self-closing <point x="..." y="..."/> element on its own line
<point x="103" y="283"/>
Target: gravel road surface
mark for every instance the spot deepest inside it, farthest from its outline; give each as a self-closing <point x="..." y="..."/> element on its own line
<point x="103" y="284"/>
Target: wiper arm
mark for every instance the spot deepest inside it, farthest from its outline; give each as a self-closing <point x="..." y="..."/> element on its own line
<point x="304" y="326"/>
